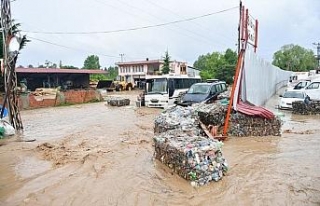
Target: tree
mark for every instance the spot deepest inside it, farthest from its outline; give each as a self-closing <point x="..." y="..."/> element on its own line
<point x="217" y="65"/>
<point x="112" y="72"/>
<point x="68" y="67"/>
<point x="54" y="66"/>
<point x="91" y="62"/>
<point x="30" y="66"/>
<point x="166" y="64"/>
<point x="61" y="66"/>
<point x="294" y="58"/>
<point x="14" y="31"/>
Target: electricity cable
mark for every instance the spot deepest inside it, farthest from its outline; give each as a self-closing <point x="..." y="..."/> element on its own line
<point x="66" y="47"/>
<point x="138" y="28"/>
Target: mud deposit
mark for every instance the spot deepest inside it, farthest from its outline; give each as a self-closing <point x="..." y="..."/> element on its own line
<point x="93" y="154"/>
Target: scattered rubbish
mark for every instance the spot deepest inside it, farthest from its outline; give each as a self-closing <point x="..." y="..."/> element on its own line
<point x="5" y="111"/>
<point x="118" y="101"/>
<point x="1" y="132"/>
<point x="312" y="108"/>
<point x="8" y="130"/>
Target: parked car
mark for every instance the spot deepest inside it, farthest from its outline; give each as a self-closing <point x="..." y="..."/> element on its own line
<point x="203" y="92"/>
<point x="300" y="85"/>
<point x="288" y="97"/>
<point x="313" y="89"/>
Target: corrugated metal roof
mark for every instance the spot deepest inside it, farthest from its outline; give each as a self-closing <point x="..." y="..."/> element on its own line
<point x="60" y="71"/>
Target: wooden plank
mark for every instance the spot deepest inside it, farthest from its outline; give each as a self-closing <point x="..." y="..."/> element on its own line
<point x="208" y="133"/>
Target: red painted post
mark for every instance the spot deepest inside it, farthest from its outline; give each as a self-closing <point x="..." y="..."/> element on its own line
<point x="226" y="121"/>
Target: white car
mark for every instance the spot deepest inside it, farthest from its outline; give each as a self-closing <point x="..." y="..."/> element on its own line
<point x="313" y="89"/>
<point x="291" y="96"/>
<point x="300" y="85"/>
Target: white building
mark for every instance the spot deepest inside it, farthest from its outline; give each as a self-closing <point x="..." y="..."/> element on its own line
<point x="137" y="70"/>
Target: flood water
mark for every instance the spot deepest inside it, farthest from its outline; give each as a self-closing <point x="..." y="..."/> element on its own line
<point x="94" y="154"/>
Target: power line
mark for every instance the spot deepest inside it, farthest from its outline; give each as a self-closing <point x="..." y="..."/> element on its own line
<point x="202" y="37"/>
<point x="139" y="28"/>
<point x="203" y="40"/>
<point x="66" y="47"/>
<point x="175" y="13"/>
<point x="76" y="49"/>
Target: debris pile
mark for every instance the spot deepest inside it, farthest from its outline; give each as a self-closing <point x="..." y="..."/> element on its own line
<point x="118" y="101"/>
<point x="240" y="124"/>
<point x="181" y="144"/>
<point x="6" y="129"/>
<point x="313" y="107"/>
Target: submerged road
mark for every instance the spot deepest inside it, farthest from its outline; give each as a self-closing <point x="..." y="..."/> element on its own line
<point x="93" y="154"/>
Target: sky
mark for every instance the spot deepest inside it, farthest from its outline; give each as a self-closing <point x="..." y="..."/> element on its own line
<point x="71" y="30"/>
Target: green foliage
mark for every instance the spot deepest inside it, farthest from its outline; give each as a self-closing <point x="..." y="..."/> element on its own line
<point x="294" y="58"/>
<point x="14" y="30"/>
<point x="112" y="72"/>
<point x="217" y="65"/>
<point x="68" y="67"/>
<point x="166" y="64"/>
<point x="97" y="77"/>
<point x="61" y="66"/>
<point x="91" y="62"/>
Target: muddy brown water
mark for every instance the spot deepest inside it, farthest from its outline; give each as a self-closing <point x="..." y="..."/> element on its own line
<point x="94" y="154"/>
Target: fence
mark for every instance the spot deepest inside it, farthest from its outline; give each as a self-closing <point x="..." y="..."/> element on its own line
<point x="260" y="79"/>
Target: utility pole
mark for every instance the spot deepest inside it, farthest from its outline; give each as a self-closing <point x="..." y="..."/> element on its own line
<point x="239" y="26"/>
<point x="10" y="56"/>
<point x="318" y="53"/>
<point x="121" y="55"/>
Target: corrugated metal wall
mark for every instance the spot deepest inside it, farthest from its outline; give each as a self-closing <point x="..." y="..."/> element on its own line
<point x="261" y="79"/>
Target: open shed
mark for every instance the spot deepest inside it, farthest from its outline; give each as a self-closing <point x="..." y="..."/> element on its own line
<point x="51" y="78"/>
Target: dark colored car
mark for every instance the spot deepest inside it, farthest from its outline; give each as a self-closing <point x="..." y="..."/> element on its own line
<point x="203" y="92"/>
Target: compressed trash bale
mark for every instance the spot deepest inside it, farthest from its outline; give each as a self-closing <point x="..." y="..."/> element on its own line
<point x="239" y="124"/>
<point x="312" y="108"/>
<point x="214" y="114"/>
<point x="182" y="145"/>
<point x="118" y="101"/>
<point x="176" y="117"/>
<point x="244" y="125"/>
<point x="195" y="158"/>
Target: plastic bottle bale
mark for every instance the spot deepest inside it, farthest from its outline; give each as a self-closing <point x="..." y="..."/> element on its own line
<point x="118" y="101"/>
<point x="194" y="158"/>
<point x="175" y="118"/>
<point x="302" y="108"/>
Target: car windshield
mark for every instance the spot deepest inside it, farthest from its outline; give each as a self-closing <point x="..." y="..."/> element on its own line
<point x="199" y="89"/>
<point x="297" y="95"/>
<point x="156" y="86"/>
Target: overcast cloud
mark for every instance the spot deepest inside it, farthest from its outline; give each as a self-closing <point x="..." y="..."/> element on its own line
<point x="280" y="22"/>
